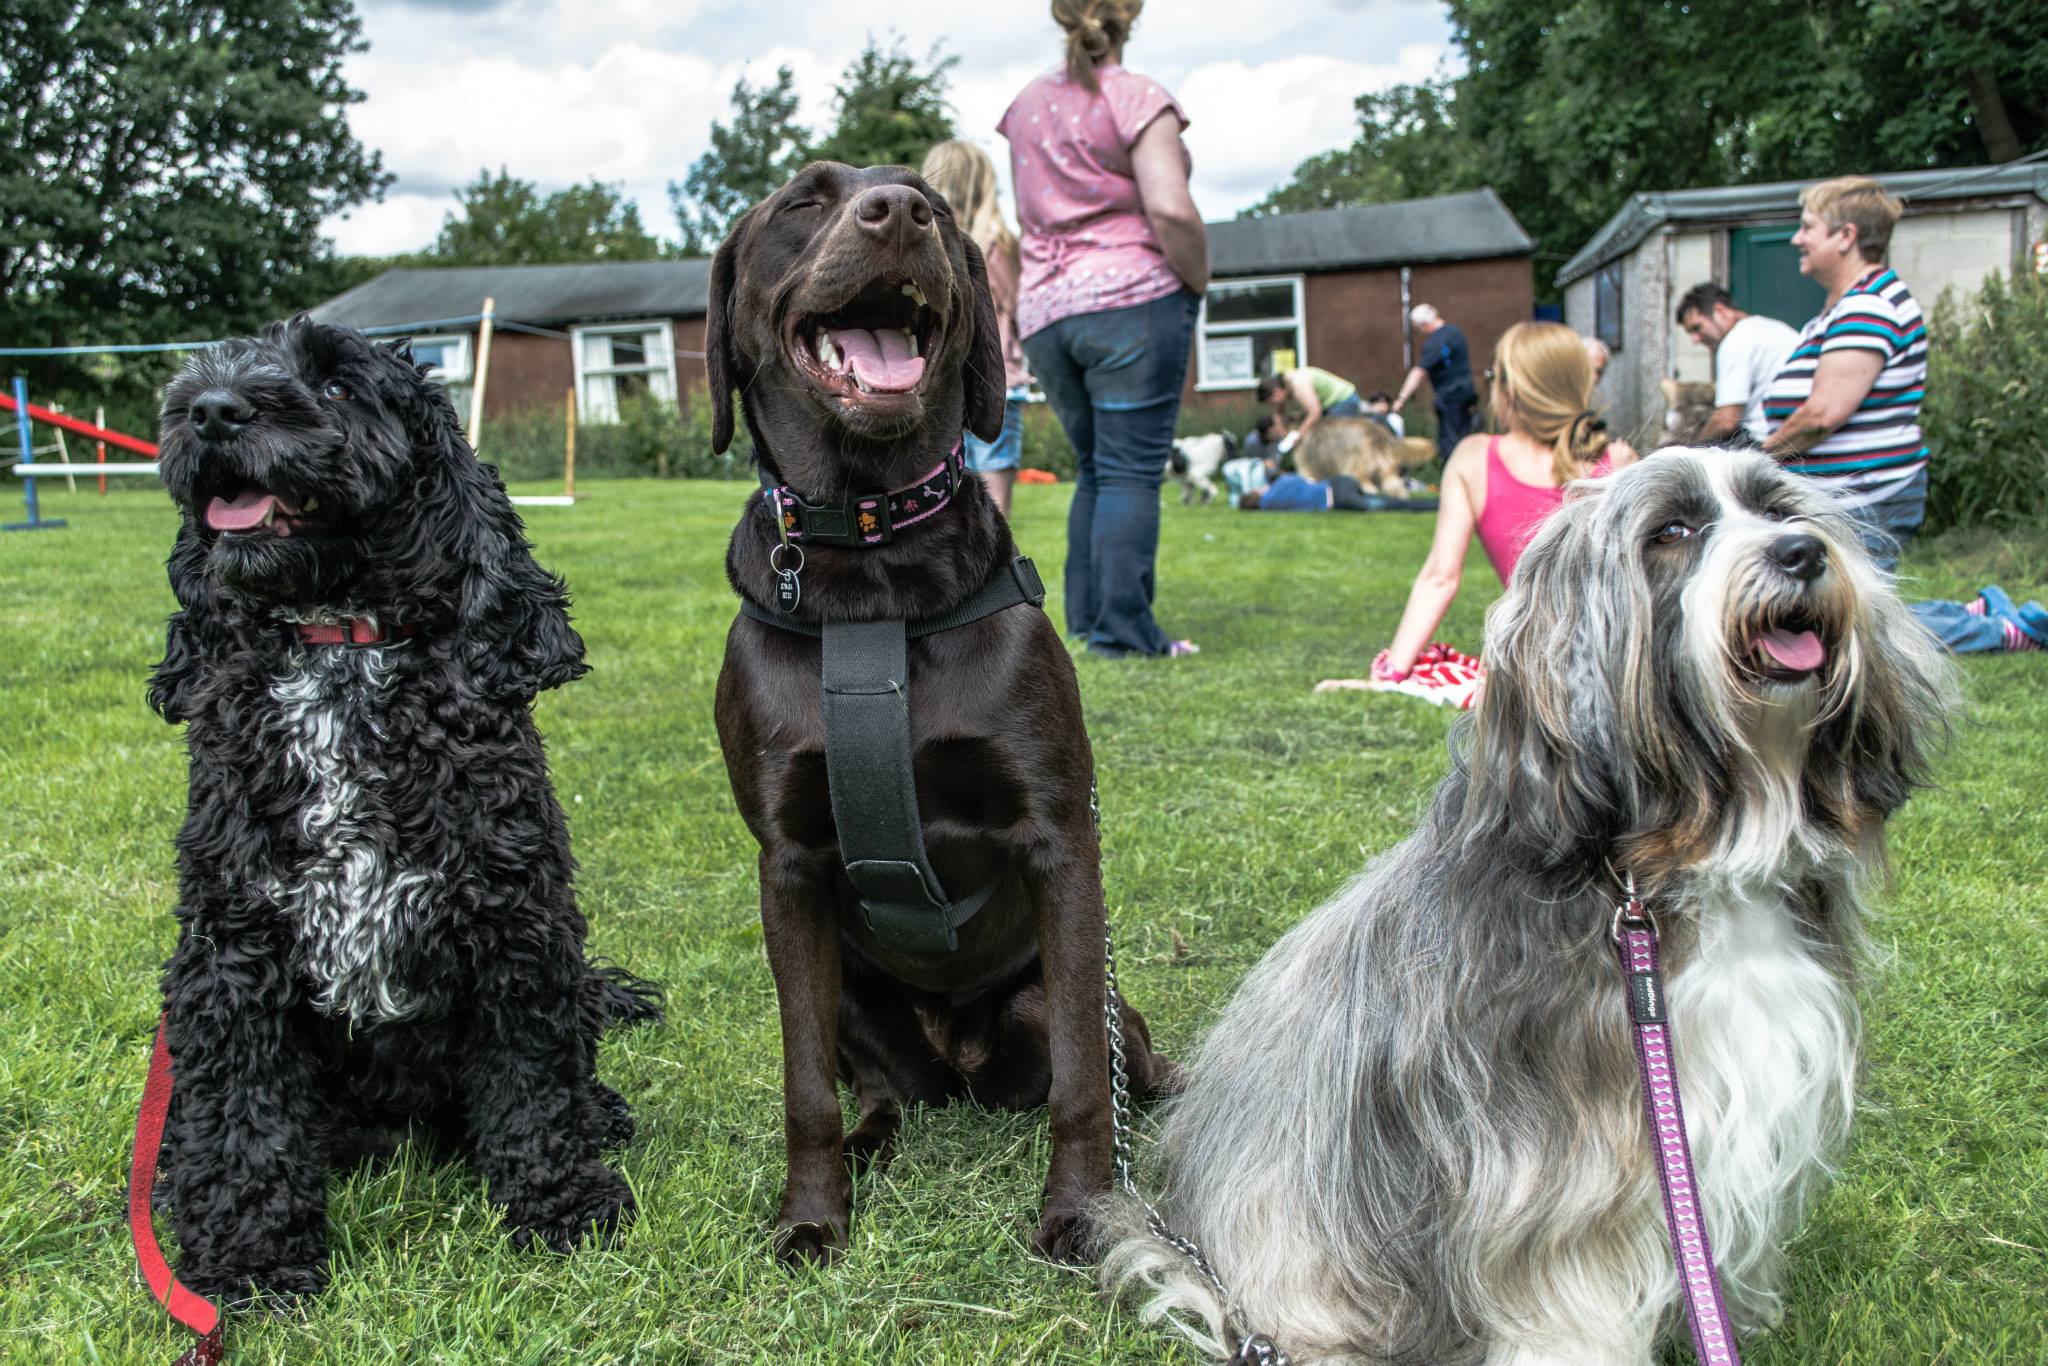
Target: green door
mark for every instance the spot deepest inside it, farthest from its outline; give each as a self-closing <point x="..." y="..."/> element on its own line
<point x="1763" y="275"/>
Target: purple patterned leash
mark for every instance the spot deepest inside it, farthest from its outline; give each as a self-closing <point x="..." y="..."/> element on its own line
<point x="1635" y="940"/>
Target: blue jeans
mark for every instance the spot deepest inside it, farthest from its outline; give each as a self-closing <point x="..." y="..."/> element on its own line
<point x="1004" y="452"/>
<point x="1346" y="407"/>
<point x="1955" y="627"/>
<point x="1887" y="526"/>
<point x="1114" y="380"/>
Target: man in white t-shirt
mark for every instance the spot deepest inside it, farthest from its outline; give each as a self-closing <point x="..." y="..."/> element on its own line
<point x="1749" y="350"/>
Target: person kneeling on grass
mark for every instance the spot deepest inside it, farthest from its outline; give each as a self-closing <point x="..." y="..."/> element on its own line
<point x="1990" y="623"/>
<point x="1500" y="488"/>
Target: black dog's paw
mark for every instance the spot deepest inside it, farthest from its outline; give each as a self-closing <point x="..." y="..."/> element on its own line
<point x="1064" y="1235"/>
<point x="870" y="1146"/>
<point x="614" y="1119"/>
<point x="594" y="1204"/>
<point x="280" y="1289"/>
<point x="801" y="1243"/>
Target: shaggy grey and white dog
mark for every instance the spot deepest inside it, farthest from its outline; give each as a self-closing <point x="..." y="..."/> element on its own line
<point x="1416" y="1134"/>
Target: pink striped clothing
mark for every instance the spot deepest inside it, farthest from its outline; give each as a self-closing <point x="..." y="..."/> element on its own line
<point x="1087" y="246"/>
<point x="1514" y="510"/>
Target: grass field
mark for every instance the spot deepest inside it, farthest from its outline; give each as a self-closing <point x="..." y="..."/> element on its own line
<point x="1234" y="800"/>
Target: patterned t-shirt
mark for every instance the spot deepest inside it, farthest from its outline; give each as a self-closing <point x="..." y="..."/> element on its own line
<point x="1880" y="446"/>
<point x="1086" y="244"/>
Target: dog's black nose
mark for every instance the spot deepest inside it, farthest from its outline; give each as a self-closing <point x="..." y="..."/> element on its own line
<point x="219" y="414"/>
<point x="896" y="214"/>
<point x="1800" y="555"/>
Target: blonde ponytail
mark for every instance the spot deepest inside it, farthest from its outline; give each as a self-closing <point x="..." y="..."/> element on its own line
<point x="1543" y="383"/>
<point x="1095" y="29"/>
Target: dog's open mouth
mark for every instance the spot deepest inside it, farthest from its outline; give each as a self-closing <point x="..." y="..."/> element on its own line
<point x="1788" y="651"/>
<point x="871" y="348"/>
<point x="252" y="510"/>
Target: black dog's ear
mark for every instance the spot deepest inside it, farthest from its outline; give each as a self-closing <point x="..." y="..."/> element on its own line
<point x="511" y="616"/>
<point x="190" y="638"/>
<point x="721" y="362"/>
<point x="983" y="372"/>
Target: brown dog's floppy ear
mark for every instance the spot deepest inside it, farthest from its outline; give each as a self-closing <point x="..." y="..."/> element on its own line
<point x="720" y="364"/>
<point x="982" y="375"/>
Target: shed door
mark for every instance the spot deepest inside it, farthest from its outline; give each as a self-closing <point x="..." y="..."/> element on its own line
<point x="1763" y="275"/>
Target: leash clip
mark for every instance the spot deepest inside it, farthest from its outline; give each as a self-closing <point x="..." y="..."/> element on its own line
<point x="1630" y="912"/>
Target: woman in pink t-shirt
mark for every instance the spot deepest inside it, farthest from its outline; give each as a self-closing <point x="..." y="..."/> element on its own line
<point x="1501" y="488"/>
<point x="1115" y="261"/>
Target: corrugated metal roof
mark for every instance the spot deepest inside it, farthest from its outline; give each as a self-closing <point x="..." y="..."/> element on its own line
<point x="1452" y="227"/>
<point x="1643" y="214"/>
<point x="543" y="295"/>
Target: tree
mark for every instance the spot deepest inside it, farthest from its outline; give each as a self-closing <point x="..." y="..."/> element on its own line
<point x="165" y="169"/>
<point x="889" y="111"/>
<point x="1568" y="107"/>
<point x="1408" y="146"/>
<point x="748" y="158"/>
<point x="504" y="221"/>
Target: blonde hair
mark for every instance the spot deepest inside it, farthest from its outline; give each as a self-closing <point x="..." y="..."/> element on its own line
<point x="964" y="174"/>
<point x="1542" y="379"/>
<point x="1095" y="28"/>
<point x="1856" y="201"/>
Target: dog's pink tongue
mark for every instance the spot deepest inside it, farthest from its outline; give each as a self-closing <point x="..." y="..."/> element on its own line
<point x="1799" y="650"/>
<point x="249" y="509"/>
<point x="880" y="359"/>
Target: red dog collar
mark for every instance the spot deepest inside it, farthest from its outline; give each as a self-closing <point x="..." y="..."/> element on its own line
<point x="347" y="631"/>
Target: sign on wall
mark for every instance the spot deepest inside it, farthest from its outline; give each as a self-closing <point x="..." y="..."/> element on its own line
<point x="1230" y="360"/>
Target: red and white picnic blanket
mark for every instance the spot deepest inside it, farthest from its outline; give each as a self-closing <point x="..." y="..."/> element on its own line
<point x="1441" y="676"/>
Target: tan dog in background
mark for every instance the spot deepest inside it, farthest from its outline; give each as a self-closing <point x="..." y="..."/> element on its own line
<point x="1363" y="449"/>
<point x="1687" y="406"/>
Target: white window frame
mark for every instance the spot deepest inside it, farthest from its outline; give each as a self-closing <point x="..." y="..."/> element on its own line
<point x="1298" y="325"/>
<point x="666" y="366"/>
<point x="447" y="374"/>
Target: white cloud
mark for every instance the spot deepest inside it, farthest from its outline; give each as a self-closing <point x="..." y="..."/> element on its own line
<point x="559" y="91"/>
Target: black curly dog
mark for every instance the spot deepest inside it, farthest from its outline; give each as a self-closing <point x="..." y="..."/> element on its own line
<point x="377" y="931"/>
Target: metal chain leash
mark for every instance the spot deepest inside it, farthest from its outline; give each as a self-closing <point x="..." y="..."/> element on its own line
<point x="1256" y="1349"/>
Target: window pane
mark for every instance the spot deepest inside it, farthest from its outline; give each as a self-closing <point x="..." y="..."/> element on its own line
<point x="629" y="348"/>
<point x="434" y="353"/>
<point x="1243" y="357"/>
<point x="1607" y="311"/>
<point x="1251" y="303"/>
<point x="630" y="387"/>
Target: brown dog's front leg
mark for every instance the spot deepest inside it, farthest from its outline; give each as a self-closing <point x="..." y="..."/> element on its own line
<point x="1068" y="893"/>
<point x="802" y="934"/>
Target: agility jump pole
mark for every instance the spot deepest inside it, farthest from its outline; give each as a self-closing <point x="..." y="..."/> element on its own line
<point x="29" y="470"/>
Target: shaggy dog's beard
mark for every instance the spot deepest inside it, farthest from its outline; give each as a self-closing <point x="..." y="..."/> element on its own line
<point x="1416" y="1134"/>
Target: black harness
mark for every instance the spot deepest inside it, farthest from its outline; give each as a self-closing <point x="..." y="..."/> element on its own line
<point x="866" y="675"/>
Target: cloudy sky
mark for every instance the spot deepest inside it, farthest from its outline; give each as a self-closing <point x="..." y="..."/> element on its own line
<point x="558" y="91"/>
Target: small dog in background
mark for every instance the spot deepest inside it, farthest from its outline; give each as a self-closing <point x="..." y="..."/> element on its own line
<point x="1196" y="460"/>
<point x="1364" y="449"/>
<point x="1688" y="405"/>
<point x="1416" y="1135"/>
<point x="377" y="931"/>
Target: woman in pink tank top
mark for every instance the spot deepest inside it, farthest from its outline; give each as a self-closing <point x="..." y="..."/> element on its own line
<point x="1501" y="488"/>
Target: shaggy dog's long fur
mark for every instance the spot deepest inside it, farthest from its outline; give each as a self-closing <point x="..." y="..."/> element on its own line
<point x="376" y="925"/>
<point x="1416" y="1134"/>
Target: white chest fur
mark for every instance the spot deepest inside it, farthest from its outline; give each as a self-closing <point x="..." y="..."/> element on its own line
<point x="353" y="904"/>
<point x="1765" y="1037"/>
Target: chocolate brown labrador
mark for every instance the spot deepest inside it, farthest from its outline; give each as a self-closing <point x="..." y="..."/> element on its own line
<point x="853" y="317"/>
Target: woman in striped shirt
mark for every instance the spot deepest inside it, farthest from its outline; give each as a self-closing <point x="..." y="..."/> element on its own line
<point x="1845" y="409"/>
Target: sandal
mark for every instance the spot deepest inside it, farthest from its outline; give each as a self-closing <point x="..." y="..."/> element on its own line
<point x="1180" y="649"/>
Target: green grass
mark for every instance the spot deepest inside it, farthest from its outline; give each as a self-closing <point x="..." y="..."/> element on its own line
<point x="1234" y="800"/>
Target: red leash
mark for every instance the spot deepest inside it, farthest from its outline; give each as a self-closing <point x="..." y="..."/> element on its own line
<point x="195" y="1311"/>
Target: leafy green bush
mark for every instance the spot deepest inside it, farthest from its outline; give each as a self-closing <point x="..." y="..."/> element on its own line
<point x="1987" y="386"/>
<point x="651" y="438"/>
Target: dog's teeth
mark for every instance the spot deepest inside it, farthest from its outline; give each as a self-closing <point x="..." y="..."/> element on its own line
<point x="909" y="339"/>
<point x="916" y="296"/>
<point x="861" y="384"/>
<point x="312" y="505"/>
<point x="828" y="353"/>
